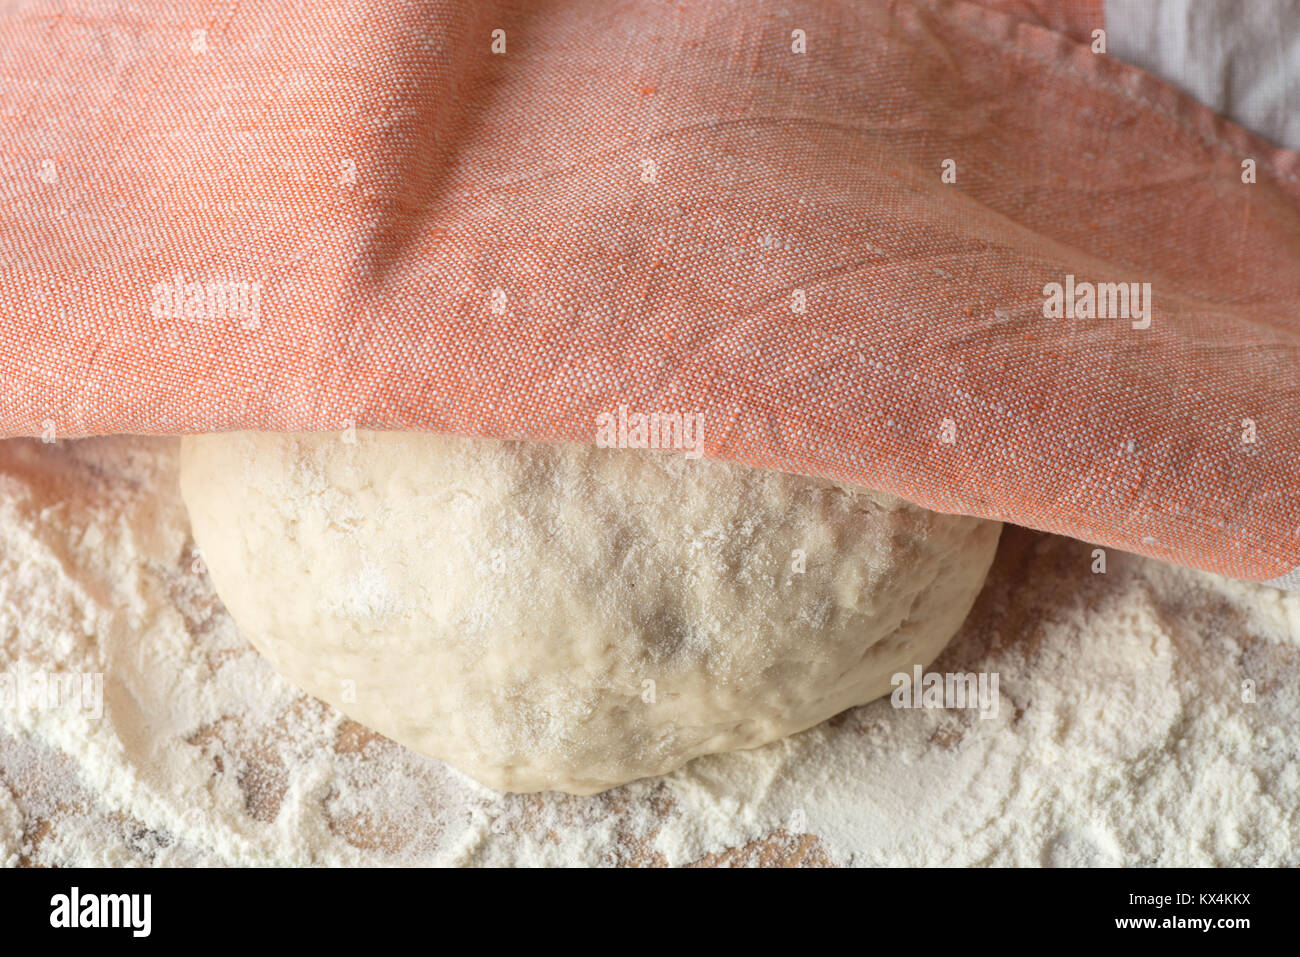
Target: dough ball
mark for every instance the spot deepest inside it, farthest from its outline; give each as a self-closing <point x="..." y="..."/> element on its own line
<point x="546" y="616"/>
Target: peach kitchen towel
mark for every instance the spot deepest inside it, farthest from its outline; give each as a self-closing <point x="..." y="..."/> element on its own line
<point x="856" y="239"/>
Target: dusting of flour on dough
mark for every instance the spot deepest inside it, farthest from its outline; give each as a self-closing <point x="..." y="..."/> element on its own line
<point x="1122" y="735"/>
<point x="578" y="617"/>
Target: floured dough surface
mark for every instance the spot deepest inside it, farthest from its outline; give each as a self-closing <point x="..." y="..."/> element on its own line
<point x="567" y="617"/>
<point x="1124" y="736"/>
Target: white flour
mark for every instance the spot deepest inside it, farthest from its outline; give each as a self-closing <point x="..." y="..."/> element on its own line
<point x="1122" y="735"/>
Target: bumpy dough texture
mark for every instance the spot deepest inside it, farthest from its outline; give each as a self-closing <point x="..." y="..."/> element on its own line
<point x="566" y="617"/>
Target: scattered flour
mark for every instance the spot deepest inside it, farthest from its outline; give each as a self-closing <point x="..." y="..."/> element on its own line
<point x="1122" y="735"/>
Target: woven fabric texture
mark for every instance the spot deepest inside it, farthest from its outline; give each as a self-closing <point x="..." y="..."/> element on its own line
<point x="827" y="230"/>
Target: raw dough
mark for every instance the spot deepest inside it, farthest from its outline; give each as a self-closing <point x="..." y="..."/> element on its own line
<point x="568" y="617"/>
